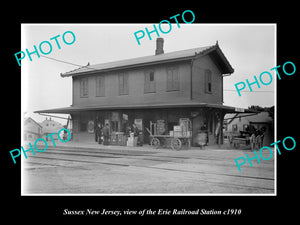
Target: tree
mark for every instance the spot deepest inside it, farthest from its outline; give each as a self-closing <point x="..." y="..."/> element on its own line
<point x="256" y="108"/>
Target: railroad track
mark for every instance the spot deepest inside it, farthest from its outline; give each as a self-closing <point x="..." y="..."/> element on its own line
<point x="54" y="154"/>
<point x="128" y="153"/>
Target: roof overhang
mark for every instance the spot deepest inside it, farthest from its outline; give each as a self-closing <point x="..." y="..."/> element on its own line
<point x="125" y="67"/>
<point x="218" y="57"/>
<point x="214" y="52"/>
<point x="74" y="109"/>
<point x="221" y="61"/>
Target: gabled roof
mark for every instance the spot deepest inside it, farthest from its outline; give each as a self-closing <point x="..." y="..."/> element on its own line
<point x="29" y="119"/>
<point x="214" y="51"/>
<point x="50" y="126"/>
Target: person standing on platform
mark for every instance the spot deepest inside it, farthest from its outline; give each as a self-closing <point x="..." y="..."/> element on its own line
<point x="96" y="128"/>
<point x="128" y="131"/>
<point x="106" y="134"/>
<point x="99" y="133"/>
<point x="259" y="139"/>
<point x="135" y="131"/>
<point x="252" y="140"/>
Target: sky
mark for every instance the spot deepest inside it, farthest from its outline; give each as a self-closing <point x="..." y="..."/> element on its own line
<point x="249" y="48"/>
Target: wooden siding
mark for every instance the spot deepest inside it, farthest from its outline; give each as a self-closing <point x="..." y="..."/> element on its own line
<point x="136" y="87"/>
<point x="200" y="92"/>
<point x="171" y="84"/>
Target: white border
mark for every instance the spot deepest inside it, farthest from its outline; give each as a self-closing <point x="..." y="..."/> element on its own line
<point x="24" y="103"/>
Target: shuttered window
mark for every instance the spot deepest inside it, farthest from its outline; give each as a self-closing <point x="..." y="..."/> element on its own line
<point x="172" y="79"/>
<point x="123" y="84"/>
<point x="84" y="88"/>
<point x="100" y="86"/>
<point x="149" y="86"/>
<point x="208" y="83"/>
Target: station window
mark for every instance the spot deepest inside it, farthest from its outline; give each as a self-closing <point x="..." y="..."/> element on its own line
<point x="208" y="83"/>
<point x="84" y="88"/>
<point x="100" y="86"/>
<point x="149" y="82"/>
<point x="123" y="84"/>
<point x="172" y="79"/>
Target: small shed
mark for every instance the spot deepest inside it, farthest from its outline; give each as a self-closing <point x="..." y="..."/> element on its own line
<point x="237" y="123"/>
<point x="32" y="130"/>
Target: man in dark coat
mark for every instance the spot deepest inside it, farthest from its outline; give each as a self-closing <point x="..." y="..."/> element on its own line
<point x="106" y="134"/>
<point x="96" y="129"/>
<point x="99" y="133"/>
<point x="135" y="131"/>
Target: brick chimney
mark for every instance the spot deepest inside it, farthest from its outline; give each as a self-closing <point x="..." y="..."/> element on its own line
<point x="159" y="46"/>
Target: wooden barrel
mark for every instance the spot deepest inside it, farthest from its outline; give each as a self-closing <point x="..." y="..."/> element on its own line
<point x="202" y="138"/>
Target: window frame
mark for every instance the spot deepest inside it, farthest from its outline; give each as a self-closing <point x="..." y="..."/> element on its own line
<point x="149" y="85"/>
<point x="124" y="85"/>
<point x="208" y="81"/>
<point x="84" y="87"/>
<point x="234" y="128"/>
<point x="173" y="79"/>
<point x="100" y="86"/>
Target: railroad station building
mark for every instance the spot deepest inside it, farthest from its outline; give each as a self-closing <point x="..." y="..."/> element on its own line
<point x="160" y="87"/>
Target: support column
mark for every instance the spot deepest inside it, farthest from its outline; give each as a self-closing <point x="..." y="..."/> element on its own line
<point x="222" y="115"/>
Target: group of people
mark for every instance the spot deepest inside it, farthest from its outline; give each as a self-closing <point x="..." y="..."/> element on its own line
<point x="256" y="139"/>
<point x="132" y="129"/>
<point x="102" y="133"/>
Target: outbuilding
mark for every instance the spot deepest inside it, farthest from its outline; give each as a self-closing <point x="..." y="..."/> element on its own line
<point x="32" y="129"/>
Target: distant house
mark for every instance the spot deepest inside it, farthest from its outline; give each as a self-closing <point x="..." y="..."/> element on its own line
<point x="32" y="129"/>
<point x="50" y="126"/>
<point x="236" y="123"/>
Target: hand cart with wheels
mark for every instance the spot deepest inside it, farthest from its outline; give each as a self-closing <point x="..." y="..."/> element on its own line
<point x="178" y="138"/>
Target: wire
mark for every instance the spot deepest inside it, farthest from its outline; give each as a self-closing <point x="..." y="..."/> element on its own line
<point x="61" y="61"/>
<point x="68" y="62"/>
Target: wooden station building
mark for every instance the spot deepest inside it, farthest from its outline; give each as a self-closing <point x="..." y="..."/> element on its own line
<point x="160" y="87"/>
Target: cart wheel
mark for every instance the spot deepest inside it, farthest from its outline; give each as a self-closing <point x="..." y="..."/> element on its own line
<point x="176" y="144"/>
<point x="155" y="143"/>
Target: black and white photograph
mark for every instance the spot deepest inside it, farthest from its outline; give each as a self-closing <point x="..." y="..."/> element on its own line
<point x="149" y="112"/>
<point x="108" y="111"/>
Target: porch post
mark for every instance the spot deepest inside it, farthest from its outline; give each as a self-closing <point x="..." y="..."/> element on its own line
<point x="222" y="115"/>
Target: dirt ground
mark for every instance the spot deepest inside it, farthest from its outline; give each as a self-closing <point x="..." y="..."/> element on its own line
<point x="114" y="170"/>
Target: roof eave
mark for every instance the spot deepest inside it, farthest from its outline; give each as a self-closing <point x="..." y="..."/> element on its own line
<point x="73" y="109"/>
<point x="226" y="67"/>
<point x="127" y="66"/>
<point x="228" y="70"/>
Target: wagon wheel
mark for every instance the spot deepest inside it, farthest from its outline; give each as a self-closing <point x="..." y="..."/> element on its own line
<point x="155" y="143"/>
<point x="176" y="144"/>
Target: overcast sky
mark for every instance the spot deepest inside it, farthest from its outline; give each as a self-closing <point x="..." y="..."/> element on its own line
<point x="250" y="49"/>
